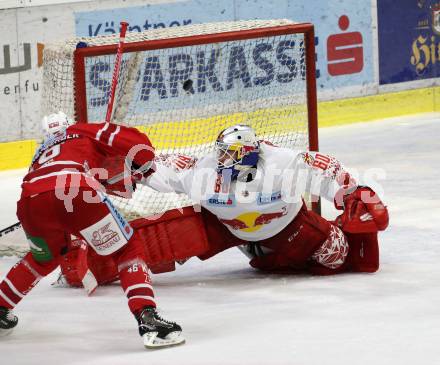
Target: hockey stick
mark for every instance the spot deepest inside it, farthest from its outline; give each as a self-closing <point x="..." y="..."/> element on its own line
<point x="108" y="116"/>
<point x="10" y="229"/>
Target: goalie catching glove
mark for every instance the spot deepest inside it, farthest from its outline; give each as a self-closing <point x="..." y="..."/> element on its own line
<point x="363" y="212"/>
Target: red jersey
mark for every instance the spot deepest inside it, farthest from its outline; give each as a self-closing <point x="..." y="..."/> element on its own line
<point x="65" y="159"/>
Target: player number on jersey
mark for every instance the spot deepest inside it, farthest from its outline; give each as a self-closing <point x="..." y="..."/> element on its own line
<point x="50" y="153"/>
<point x="321" y="161"/>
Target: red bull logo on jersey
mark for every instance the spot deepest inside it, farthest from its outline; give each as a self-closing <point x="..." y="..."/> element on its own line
<point x="253" y="221"/>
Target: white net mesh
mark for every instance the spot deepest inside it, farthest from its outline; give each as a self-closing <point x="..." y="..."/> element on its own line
<point x="182" y="97"/>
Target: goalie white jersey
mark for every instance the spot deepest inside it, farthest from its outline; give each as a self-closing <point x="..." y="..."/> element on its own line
<point x="264" y="205"/>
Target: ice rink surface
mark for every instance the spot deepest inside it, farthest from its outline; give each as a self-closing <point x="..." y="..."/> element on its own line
<point x="232" y="314"/>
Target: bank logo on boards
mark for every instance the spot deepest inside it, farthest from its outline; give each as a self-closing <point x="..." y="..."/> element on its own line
<point x="345" y="52"/>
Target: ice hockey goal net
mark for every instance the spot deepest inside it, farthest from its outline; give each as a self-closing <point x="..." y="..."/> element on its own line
<point x="183" y="85"/>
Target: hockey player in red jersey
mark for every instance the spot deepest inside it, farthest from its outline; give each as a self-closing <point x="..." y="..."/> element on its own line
<point x="276" y="232"/>
<point x="64" y="193"/>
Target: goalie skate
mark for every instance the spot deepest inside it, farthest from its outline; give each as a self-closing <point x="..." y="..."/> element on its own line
<point x="158" y="332"/>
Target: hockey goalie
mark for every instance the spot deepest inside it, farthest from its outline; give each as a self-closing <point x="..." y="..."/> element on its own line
<point x="251" y="196"/>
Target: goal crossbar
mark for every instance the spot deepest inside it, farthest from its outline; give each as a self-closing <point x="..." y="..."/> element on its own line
<point x="80" y="54"/>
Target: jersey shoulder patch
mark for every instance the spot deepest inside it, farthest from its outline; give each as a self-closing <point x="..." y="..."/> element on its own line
<point x="177" y="162"/>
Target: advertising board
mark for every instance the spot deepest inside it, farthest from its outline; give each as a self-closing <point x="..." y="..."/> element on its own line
<point x="409" y="40"/>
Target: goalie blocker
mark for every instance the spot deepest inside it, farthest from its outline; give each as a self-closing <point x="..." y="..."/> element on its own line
<point x="308" y="244"/>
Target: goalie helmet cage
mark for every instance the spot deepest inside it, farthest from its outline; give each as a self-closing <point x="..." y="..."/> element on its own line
<point x="183" y="85"/>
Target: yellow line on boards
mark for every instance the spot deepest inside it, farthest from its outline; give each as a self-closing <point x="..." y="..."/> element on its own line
<point x="18" y="154"/>
<point x="376" y="107"/>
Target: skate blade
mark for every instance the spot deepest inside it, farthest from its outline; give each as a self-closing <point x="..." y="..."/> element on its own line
<point x="151" y="341"/>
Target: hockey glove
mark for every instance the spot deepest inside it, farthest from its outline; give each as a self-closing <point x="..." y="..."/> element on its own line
<point x="363" y="212"/>
<point x="119" y="181"/>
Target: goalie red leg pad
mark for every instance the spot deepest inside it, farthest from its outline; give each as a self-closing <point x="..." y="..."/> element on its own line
<point x="136" y="283"/>
<point x="103" y="268"/>
<point x="295" y="245"/>
<point x="219" y="237"/>
<point x="81" y="261"/>
<point x="163" y="267"/>
<point x="22" y="278"/>
<point x="176" y="235"/>
<point x="364" y="252"/>
<point x="71" y="262"/>
<point x="333" y="251"/>
<point x="363" y="256"/>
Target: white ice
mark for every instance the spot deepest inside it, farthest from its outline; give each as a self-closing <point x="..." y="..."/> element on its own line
<point x="232" y="314"/>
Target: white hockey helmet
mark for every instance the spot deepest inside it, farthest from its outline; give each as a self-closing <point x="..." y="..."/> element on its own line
<point x="237" y="149"/>
<point x="54" y="123"/>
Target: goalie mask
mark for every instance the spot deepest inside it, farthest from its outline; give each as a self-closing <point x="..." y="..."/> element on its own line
<point x="54" y="123"/>
<point x="237" y="150"/>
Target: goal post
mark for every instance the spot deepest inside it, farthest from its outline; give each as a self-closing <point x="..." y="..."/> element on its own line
<point x="183" y="85"/>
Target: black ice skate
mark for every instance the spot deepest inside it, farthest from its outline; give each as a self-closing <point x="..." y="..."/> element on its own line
<point x="7" y="321"/>
<point x="156" y="331"/>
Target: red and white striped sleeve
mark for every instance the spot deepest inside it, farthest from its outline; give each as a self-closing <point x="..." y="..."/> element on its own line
<point x="327" y="176"/>
<point x="118" y="140"/>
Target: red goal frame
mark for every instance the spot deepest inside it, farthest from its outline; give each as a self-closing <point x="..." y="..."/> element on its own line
<point x="79" y="78"/>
